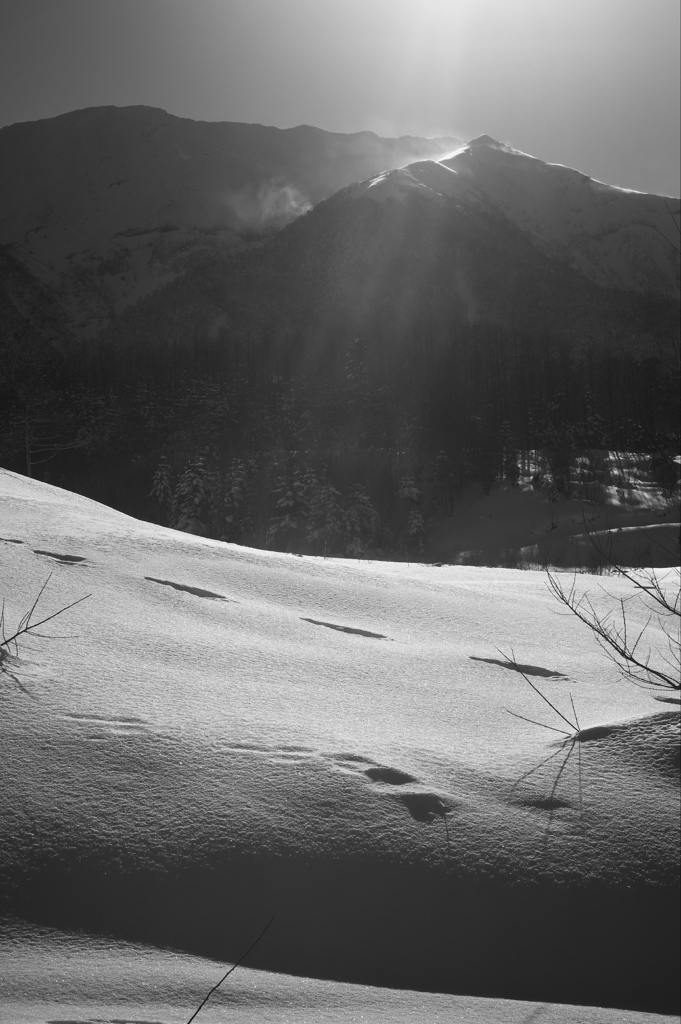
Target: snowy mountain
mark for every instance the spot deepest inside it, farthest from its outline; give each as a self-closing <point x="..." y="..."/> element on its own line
<point x="103" y="206"/>
<point x="411" y="257"/>
<point x="106" y="204"/>
<point x="223" y="734"/>
<point x="615" y="237"/>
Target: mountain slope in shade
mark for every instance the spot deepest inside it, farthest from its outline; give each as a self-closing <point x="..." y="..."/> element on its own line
<point x="615" y="237"/>
<point x="105" y="204"/>
<point x="405" y="266"/>
<point x="233" y="733"/>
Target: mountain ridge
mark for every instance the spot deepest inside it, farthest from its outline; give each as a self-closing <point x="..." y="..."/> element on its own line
<point x="103" y="206"/>
<point x="616" y="237"/>
<point x="71" y="187"/>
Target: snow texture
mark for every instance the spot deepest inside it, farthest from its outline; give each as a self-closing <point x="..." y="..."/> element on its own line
<point x="225" y="733"/>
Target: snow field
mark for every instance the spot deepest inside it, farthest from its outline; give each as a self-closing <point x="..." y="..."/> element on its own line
<point x="186" y="765"/>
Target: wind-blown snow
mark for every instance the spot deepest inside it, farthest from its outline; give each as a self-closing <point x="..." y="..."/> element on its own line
<point x="232" y="733"/>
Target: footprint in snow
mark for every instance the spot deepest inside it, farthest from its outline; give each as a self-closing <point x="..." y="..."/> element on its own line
<point x="196" y="591"/>
<point x="422" y="805"/>
<point x="425" y="806"/>
<point x="101" y="1020"/>
<point x="103" y="728"/>
<point x="65" y="559"/>
<point x="345" y="629"/>
<point x="392" y="776"/>
<point x="529" y="670"/>
<point x="286" y="754"/>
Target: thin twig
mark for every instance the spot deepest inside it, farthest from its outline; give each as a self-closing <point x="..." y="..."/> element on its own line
<point x="516" y="666"/>
<point x="233" y="968"/>
<point x="25" y="625"/>
<point x="534" y="722"/>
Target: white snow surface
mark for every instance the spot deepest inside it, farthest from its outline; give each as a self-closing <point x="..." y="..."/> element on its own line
<point x="87" y="979"/>
<point x="223" y="733"/>
<point x="616" y="237"/>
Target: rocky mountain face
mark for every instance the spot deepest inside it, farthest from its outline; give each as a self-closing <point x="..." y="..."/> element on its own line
<point x="102" y="206"/>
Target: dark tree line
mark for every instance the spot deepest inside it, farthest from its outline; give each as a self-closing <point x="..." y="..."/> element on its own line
<point x="350" y="457"/>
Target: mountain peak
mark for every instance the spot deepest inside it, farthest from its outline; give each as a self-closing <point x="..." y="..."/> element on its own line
<point x="488" y="141"/>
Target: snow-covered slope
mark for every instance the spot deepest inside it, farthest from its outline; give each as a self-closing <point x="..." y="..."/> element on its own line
<point x="227" y="733"/>
<point x="615" y="237"/>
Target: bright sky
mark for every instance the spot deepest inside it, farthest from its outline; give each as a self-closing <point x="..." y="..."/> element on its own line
<point x="589" y="83"/>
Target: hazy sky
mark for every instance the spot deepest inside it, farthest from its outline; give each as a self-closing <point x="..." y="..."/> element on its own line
<point x="589" y="83"/>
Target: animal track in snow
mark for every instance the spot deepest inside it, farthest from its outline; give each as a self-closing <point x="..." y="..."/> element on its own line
<point x="285" y="754"/>
<point x="102" y="1020"/>
<point x="344" y="629"/>
<point x="425" y="806"/>
<point x="352" y="759"/>
<point x="108" y="726"/>
<point x="98" y="718"/>
<point x="545" y="803"/>
<point x="529" y="670"/>
<point x="393" y="776"/>
<point x="593" y="732"/>
<point x="422" y="804"/>
<point x="197" y="591"/>
<point x="66" y="559"/>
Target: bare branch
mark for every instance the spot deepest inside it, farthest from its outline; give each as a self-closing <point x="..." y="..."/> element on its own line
<point x="659" y="663"/>
<point x="26" y="626"/>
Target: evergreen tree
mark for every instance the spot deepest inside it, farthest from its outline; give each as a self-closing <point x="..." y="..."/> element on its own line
<point x="443" y="482"/>
<point x="162" y="488"/>
<point x="415" y="531"/>
<point x="362" y="523"/>
<point x="510" y="455"/>
<point x="190" y="499"/>
<point x="288" y="524"/>
<point x="411" y="519"/>
<point x="324" y="516"/>
<point x="237" y="491"/>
